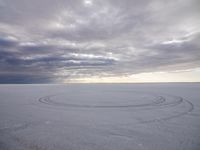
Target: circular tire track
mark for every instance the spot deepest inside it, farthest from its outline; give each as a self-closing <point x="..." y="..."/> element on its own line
<point x="47" y="100"/>
<point x="189" y="109"/>
<point x="161" y="102"/>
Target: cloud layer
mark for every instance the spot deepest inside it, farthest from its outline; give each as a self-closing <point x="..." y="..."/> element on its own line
<point x="54" y="41"/>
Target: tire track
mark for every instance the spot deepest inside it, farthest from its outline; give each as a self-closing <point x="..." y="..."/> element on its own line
<point x="47" y="100"/>
<point x="161" y="102"/>
<point x="177" y="115"/>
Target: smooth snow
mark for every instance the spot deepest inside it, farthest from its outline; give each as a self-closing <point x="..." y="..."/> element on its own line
<point x="100" y="117"/>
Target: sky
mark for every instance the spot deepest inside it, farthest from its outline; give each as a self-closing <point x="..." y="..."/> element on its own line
<point x="64" y="41"/>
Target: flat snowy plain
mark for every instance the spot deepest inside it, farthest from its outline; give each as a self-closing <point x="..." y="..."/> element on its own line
<point x="100" y="117"/>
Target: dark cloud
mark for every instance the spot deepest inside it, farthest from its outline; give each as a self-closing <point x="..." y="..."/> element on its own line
<point x="24" y="79"/>
<point x="51" y="41"/>
<point x="6" y="42"/>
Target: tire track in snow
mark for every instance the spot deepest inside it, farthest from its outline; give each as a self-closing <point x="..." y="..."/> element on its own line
<point x="161" y="102"/>
<point x="189" y="109"/>
<point x="47" y="100"/>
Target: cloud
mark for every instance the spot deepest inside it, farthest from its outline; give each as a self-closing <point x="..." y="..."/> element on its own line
<point x="53" y="41"/>
<point x="7" y="42"/>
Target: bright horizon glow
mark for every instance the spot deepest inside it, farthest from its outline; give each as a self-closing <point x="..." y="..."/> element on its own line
<point x="154" y="77"/>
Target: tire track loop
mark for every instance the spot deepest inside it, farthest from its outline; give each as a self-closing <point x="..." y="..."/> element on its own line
<point x="189" y="109"/>
<point x="47" y="100"/>
<point x="160" y="103"/>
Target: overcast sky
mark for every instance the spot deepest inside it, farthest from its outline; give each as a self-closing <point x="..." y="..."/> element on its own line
<point x="56" y="41"/>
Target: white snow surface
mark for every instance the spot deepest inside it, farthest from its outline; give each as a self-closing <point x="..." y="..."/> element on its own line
<point x="100" y="117"/>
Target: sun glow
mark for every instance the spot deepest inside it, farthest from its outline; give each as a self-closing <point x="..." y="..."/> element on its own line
<point x="88" y="2"/>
